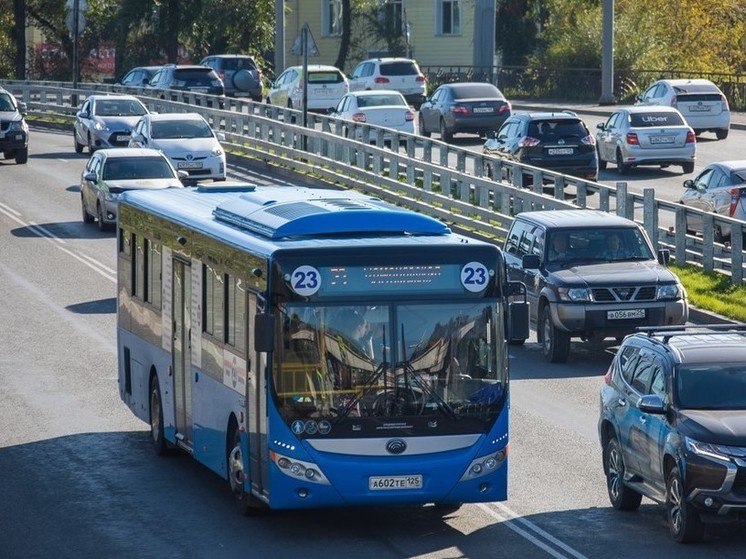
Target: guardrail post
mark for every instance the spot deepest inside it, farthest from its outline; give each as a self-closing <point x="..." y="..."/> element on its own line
<point x="581" y="198"/>
<point x="650" y="215"/>
<point x="625" y="206"/>
<point x="559" y="187"/>
<point x="736" y="250"/>
<point x="603" y="200"/>
<point x="708" y="242"/>
<point x="680" y="255"/>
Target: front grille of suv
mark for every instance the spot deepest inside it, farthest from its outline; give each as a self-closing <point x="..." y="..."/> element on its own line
<point x="617" y="294"/>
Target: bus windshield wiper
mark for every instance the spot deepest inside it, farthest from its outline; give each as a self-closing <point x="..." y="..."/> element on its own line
<point x="370" y="381"/>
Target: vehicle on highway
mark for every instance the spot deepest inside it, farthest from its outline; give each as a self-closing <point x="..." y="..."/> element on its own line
<point x="187" y="140"/>
<point x="326" y="86"/>
<point x="672" y="425"/>
<point x="646" y="135"/>
<point x="463" y="107"/>
<point x="590" y="275"/>
<point x="702" y="104"/>
<point x="719" y="188"/>
<point x="558" y="141"/>
<point x="106" y="121"/>
<point x="240" y="74"/>
<point x="401" y="74"/>
<point x="13" y="128"/>
<point x="189" y="78"/>
<point x="378" y="335"/>
<point x="138" y="77"/>
<point x="111" y="171"/>
<point x="381" y="107"/>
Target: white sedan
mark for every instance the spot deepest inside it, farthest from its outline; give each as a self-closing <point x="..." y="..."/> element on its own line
<point x="382" y="107"/>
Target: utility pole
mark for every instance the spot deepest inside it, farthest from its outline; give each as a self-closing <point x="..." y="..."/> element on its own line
<point x="279" y="37"/>
<point x="607" y="59"/>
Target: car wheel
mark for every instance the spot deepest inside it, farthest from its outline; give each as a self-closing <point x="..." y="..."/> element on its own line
<point x="620" y="165"/>
<point x="78" y="146"/>
<point x="247" y="503"/>
<point x="555" y="343"/>
<point x="423" y="129"/>
<point x="87" y="218"/>
<point x="157" y="437"/>
<point x="601" y="162"/>
<point x="102" y="226"/>
<point x="688" y="167"/>
<point x="684" y="521"/>
<point x="21" y="156"/>
<point x="620" y="496"/>
<point x="722" y="133"/>
<point x="445" y="135"/>
<point x="91" y="148"/>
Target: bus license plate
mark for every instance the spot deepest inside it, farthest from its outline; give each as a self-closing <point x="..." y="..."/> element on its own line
<point x="385" y="483"/>
<point x="626" y="314"/>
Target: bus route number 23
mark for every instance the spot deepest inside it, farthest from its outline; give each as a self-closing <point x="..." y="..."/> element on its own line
<point x="474" y="276"/>
<point x="305" y="280"/>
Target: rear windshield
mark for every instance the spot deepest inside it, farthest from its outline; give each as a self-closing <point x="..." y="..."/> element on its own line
<point x="643" y="120"/>
<point x="380" y="100"/>
<point x="197" y="76"/>
<point x="399" y="69"/>
<point x="325" y="77"/>
<point x="234" y="64"/>
<point x="476" y="91"/>
<point x="544" y="129"/>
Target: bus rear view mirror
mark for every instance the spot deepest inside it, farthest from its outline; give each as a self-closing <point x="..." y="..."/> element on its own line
<point x="264" y="332"/>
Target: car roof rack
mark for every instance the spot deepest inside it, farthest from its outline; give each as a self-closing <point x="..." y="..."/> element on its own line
<point x="688" y="329"/>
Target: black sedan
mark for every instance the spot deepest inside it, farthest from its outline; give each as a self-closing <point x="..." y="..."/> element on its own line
<point x="467" y="107"/>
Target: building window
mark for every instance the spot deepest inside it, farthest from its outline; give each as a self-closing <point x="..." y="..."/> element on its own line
<point x="331" y="18"/>
<point x="392" y="15"/>
<point x="448" y="20"/>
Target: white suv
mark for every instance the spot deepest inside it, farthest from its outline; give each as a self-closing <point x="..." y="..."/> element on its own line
<point x="701" y="103"/>
<point x="400" y="74"/>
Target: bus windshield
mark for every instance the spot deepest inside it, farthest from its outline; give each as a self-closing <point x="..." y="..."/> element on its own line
<point x="390" y="361"/>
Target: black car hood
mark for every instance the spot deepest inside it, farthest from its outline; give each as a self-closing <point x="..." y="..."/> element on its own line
<point x="724" y="427"/>
<point x="611" y="273"/>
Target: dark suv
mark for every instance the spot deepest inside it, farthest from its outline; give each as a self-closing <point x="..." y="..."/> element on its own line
<point x="13" y="128"/>
<point x="185" y="77"/>
<point x="673" y="425"/>
<point x="558" y="142"/>
<point x="240" y="74"/>
<point x="591" y="275"/>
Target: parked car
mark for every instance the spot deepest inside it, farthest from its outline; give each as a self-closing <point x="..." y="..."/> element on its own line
<point x="557" y="141"/>
<point x="704" y="107"/>
<point x="138" y="77"/>
<point x="188" y="78"/>
<point x="106" y="121"/>
<point x="465" y="107"/>
<point x="590" y="275"/>
<point x="240" y="74"/>
<point x="719" y="188"/>
<point x="109" y="172"/>
<point x="646" y="135"/>
<point x="187" y="140"/>
<point x="672" y="425"/>
<point x="382" y="107"/>
<point x="326" y="86"/>
<point x="13" y="128"/>
<point x="400" y="74"/>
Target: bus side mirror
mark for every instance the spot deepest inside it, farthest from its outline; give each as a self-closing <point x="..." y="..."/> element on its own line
<point x="264" y="332"/>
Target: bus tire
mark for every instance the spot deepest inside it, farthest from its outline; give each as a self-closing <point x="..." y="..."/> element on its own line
<point x="247" y="504"/>
<point x="156" y="419"/>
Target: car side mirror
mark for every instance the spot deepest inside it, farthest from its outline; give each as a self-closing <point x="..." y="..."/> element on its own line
<point x="220" y="136"/>
<point x="688" y="183"/>
<point x="90" y="176"/>
<point x="664" y="255"/>
<point x="530" y="262"/>
<point x="22" y="108"/>
<point x="491" y="135"/>
<point x="652" y="403"/>
<point x="183" y="175"/>
<point x="84" y="114"/>
<point x="638" y="98"/>
<point x="601" y="125"/>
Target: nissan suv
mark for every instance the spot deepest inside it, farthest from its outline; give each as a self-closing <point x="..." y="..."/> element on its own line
<point x="13" y="128"/>
<point x="671" y="425"/>
<point x="400" y="74"/>
<point x="590" y="275"/>
<point x="186" y="78"/>
<point x="240" y="74"/>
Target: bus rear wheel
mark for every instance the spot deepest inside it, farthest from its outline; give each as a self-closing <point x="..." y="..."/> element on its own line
<point x="156" y="419"/>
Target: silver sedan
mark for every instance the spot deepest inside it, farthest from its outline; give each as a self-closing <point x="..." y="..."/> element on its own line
<point x="106" y="121"/>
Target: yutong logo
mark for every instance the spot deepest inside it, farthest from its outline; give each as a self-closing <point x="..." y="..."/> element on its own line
<point x="396" y="446"/>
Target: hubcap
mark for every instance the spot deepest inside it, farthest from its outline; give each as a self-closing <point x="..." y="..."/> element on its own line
<point x="235" y="466"/>
<point x="616" y="470"/>
<point x="675" y="500"/>
<point x="155" y="416"/>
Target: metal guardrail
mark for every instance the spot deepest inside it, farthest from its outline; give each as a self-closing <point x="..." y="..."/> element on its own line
<point x="427" y="175"/>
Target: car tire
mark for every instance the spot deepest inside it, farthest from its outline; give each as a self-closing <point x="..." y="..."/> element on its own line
<point x="555" y="343"/>
<point x="684" y="521"/>
<point x="423" y="129"/>
<point x="688" y="167"/>
<point x="157" y="438"/>
<point x="722" y="133"/>
<point x="622" y="167"/>
<point x="601" y="162"/>
<point x="21" y="156"/>
<point x="102" y="225"/>
<point x="91" y="148"/>
<point x="87" y="218"/>
<point x="78" y="146"/>
<point x="445" y="135"/>
<point x="620" y="496"/>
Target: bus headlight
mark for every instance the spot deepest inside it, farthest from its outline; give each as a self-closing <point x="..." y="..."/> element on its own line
<point x="485" y="465"/>
<point x="298" y="469"/>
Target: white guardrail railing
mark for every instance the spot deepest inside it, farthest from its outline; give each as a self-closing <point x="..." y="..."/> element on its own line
<point x="419" y="173"/>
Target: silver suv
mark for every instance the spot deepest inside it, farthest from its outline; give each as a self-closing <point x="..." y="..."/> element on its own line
<point x="400" y="74"/>
<point x="240" y="74"/>
<point x="13" y="128"/>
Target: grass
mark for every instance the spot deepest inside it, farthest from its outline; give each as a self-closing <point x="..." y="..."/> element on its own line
<point x="713" y="292"/>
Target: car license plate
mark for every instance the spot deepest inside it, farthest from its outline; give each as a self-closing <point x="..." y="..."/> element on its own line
<point x="189" y="165"/>
<point x="387" y="483"/>
<point x="559" y="151"/>
<point x="483" y="109"/>
<point x="661" y="139"/>
<point x="123" y="138"/>
<point x="699" y="108"/>
<point x="199" y="89"/>
<point x="626" y="314"/>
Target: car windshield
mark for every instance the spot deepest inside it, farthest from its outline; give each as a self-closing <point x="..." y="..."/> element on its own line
<point x="597" y="243"/>
<point x="6" y="103"/>
<point x="647" y="120"/>
<point x="132" y="168"/>
<point x="111" y="107"/>
<point x="711" y="386"/>
<point x="179" y="129"/>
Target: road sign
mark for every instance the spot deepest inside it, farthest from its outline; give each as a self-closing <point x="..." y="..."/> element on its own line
<point x="69" y="18"/>
<point x="306" y="36"/>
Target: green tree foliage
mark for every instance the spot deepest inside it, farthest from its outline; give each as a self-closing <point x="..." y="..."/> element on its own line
<point x="7" y="52"/>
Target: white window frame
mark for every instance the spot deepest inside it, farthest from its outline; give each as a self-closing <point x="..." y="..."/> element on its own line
<point x="331" y="18"/>
<point x="455" y="9"/>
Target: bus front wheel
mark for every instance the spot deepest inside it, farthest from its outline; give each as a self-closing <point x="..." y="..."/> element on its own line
<point x="248" y="505"/>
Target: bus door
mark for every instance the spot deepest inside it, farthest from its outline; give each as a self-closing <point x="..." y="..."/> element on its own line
<point x="181" y="350"/>
<point x="256" y="410"/>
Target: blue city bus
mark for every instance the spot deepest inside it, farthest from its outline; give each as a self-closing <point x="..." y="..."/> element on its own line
<point x="316" y="347"/>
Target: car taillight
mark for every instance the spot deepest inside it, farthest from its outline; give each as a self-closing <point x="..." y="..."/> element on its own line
<point x="421" y="78"/>
<point x="358" y="117"/>
<point x="460" y="110"/>
<point x="674" y="100"/>
<point x="726" y="106"/>
<point x="381" y="79"/>
<point x="504" y="108"/>
<point x="607" y="376"/>
<point x="588" y="140"/>
<point x="528" y="141"/>
<point x="632" y="139"/>
<point x="735" y="194"/>
<point x="409" y="115"/>
<point x="221" y="74"/>
<point x="691" y="138"/>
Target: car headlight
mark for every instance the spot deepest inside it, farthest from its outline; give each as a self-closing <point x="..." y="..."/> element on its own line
<point x="574" y="294"/>
<point x="98" y="125"/>
<point x="112" y="196"/>
<point x="217" y="151"/>
<point x="18" y="126"/>
<point x="668" y="292"/>
<point x="707" y="449"/>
